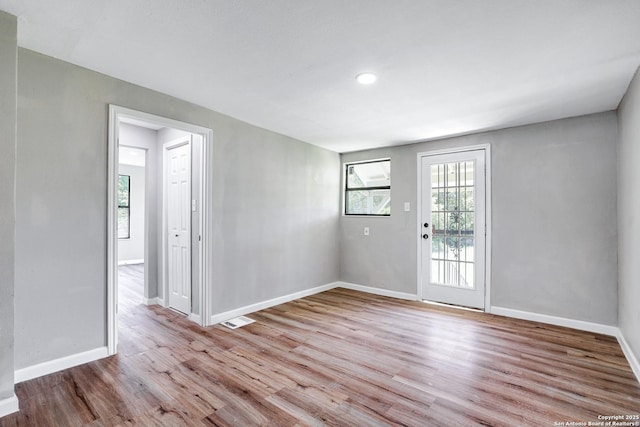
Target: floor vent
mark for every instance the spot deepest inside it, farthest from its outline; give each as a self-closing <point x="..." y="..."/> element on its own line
<point x="237" y="322"/>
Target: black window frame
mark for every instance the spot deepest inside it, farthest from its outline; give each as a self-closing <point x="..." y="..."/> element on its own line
<point x="380" y="187"/>
<point x="127" y="207"/>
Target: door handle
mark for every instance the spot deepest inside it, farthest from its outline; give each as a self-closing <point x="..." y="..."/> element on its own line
<point x="177" y="235"/>
<point x="425" y="236"/>
<point x="426" y="225"/>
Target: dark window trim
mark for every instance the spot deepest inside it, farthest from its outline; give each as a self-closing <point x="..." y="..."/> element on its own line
<point x="348" y="189"/>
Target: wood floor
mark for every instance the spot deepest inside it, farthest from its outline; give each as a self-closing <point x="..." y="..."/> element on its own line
<point x="337" y="358"/>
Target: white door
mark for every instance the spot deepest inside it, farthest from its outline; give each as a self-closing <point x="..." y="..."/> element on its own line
<point x="178" y="222"/>
<point x="453" y="228"/>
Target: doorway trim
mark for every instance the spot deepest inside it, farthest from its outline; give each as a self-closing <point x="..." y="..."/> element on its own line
<point x="487" y="271"/>
<point x="116" y="113"/>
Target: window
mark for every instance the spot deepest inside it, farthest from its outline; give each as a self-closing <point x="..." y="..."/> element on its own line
<point x="124" y="187"/>
<point x="368" y="188"/>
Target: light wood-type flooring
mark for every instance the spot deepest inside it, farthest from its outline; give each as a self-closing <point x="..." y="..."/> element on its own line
<point x="337" y="358"/>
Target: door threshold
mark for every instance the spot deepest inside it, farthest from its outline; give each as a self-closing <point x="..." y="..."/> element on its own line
<point x="459" y="307"/>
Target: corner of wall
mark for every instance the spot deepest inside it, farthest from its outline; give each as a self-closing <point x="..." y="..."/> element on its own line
<point x="631" y="357"/>
<point x="8" y="123"/>
<point x="9" y="406"/>
<point x="628" y="180"/>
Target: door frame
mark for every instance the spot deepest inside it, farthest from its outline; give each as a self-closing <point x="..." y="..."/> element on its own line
<point x="203" y="287"/>
<point x="487" y="270"/>
<point x="164" y="264"/>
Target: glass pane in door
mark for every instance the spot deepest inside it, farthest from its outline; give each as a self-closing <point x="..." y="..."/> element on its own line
<point x="453" y="224"/>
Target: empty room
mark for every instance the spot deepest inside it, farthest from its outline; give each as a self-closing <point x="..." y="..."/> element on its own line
<point x="300" y="212"/>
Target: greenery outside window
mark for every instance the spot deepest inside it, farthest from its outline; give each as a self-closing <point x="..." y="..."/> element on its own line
<point x="124" y="215"/>
<point x="368" y="188"/>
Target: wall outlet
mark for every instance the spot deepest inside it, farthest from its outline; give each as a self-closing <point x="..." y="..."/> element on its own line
<point x="366" y="231"/>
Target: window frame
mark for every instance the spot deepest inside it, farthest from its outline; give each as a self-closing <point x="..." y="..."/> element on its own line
<point x="127" y="206"/>
<point x="346" y="188"/>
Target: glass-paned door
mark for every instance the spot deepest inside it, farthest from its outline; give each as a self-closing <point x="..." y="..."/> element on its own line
<point x="453" y="228"/>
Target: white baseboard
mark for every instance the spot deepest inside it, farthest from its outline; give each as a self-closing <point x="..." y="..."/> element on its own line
<point x="150" y="301"/>
<point x="378" y="291"/>
<point x="131" y="261"/>
<point x="196" y="318"/>
<point x="581" y="325"/>
<point x="9" y="406"/>
<point x="56" y="365"/>
<point x="631" y="357"/>
<point x="558" y="321"/>
<point x="220" y="317"/>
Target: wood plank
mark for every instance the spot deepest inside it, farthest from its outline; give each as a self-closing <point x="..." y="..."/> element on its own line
<point x="337" y="358"/>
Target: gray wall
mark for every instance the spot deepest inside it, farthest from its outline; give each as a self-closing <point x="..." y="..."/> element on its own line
<point x="8" y="59"/>
<point x="554" y="219"/>
<point x="133" y="247"/>
<point x="628" y="211"/>
<point x="274" y="219"/>
<point x="276" y="203"/>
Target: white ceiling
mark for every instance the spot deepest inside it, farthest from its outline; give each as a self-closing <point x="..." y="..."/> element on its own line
<point x="131" y="156"/>
<point x="444" y="67"/>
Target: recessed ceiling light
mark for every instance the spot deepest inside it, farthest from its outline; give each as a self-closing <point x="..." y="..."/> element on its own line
<point x="366" y="78"/>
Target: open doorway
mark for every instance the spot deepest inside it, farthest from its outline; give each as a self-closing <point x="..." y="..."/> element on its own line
<point x="131" y="218"/>
<point x="157" y="263"/>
